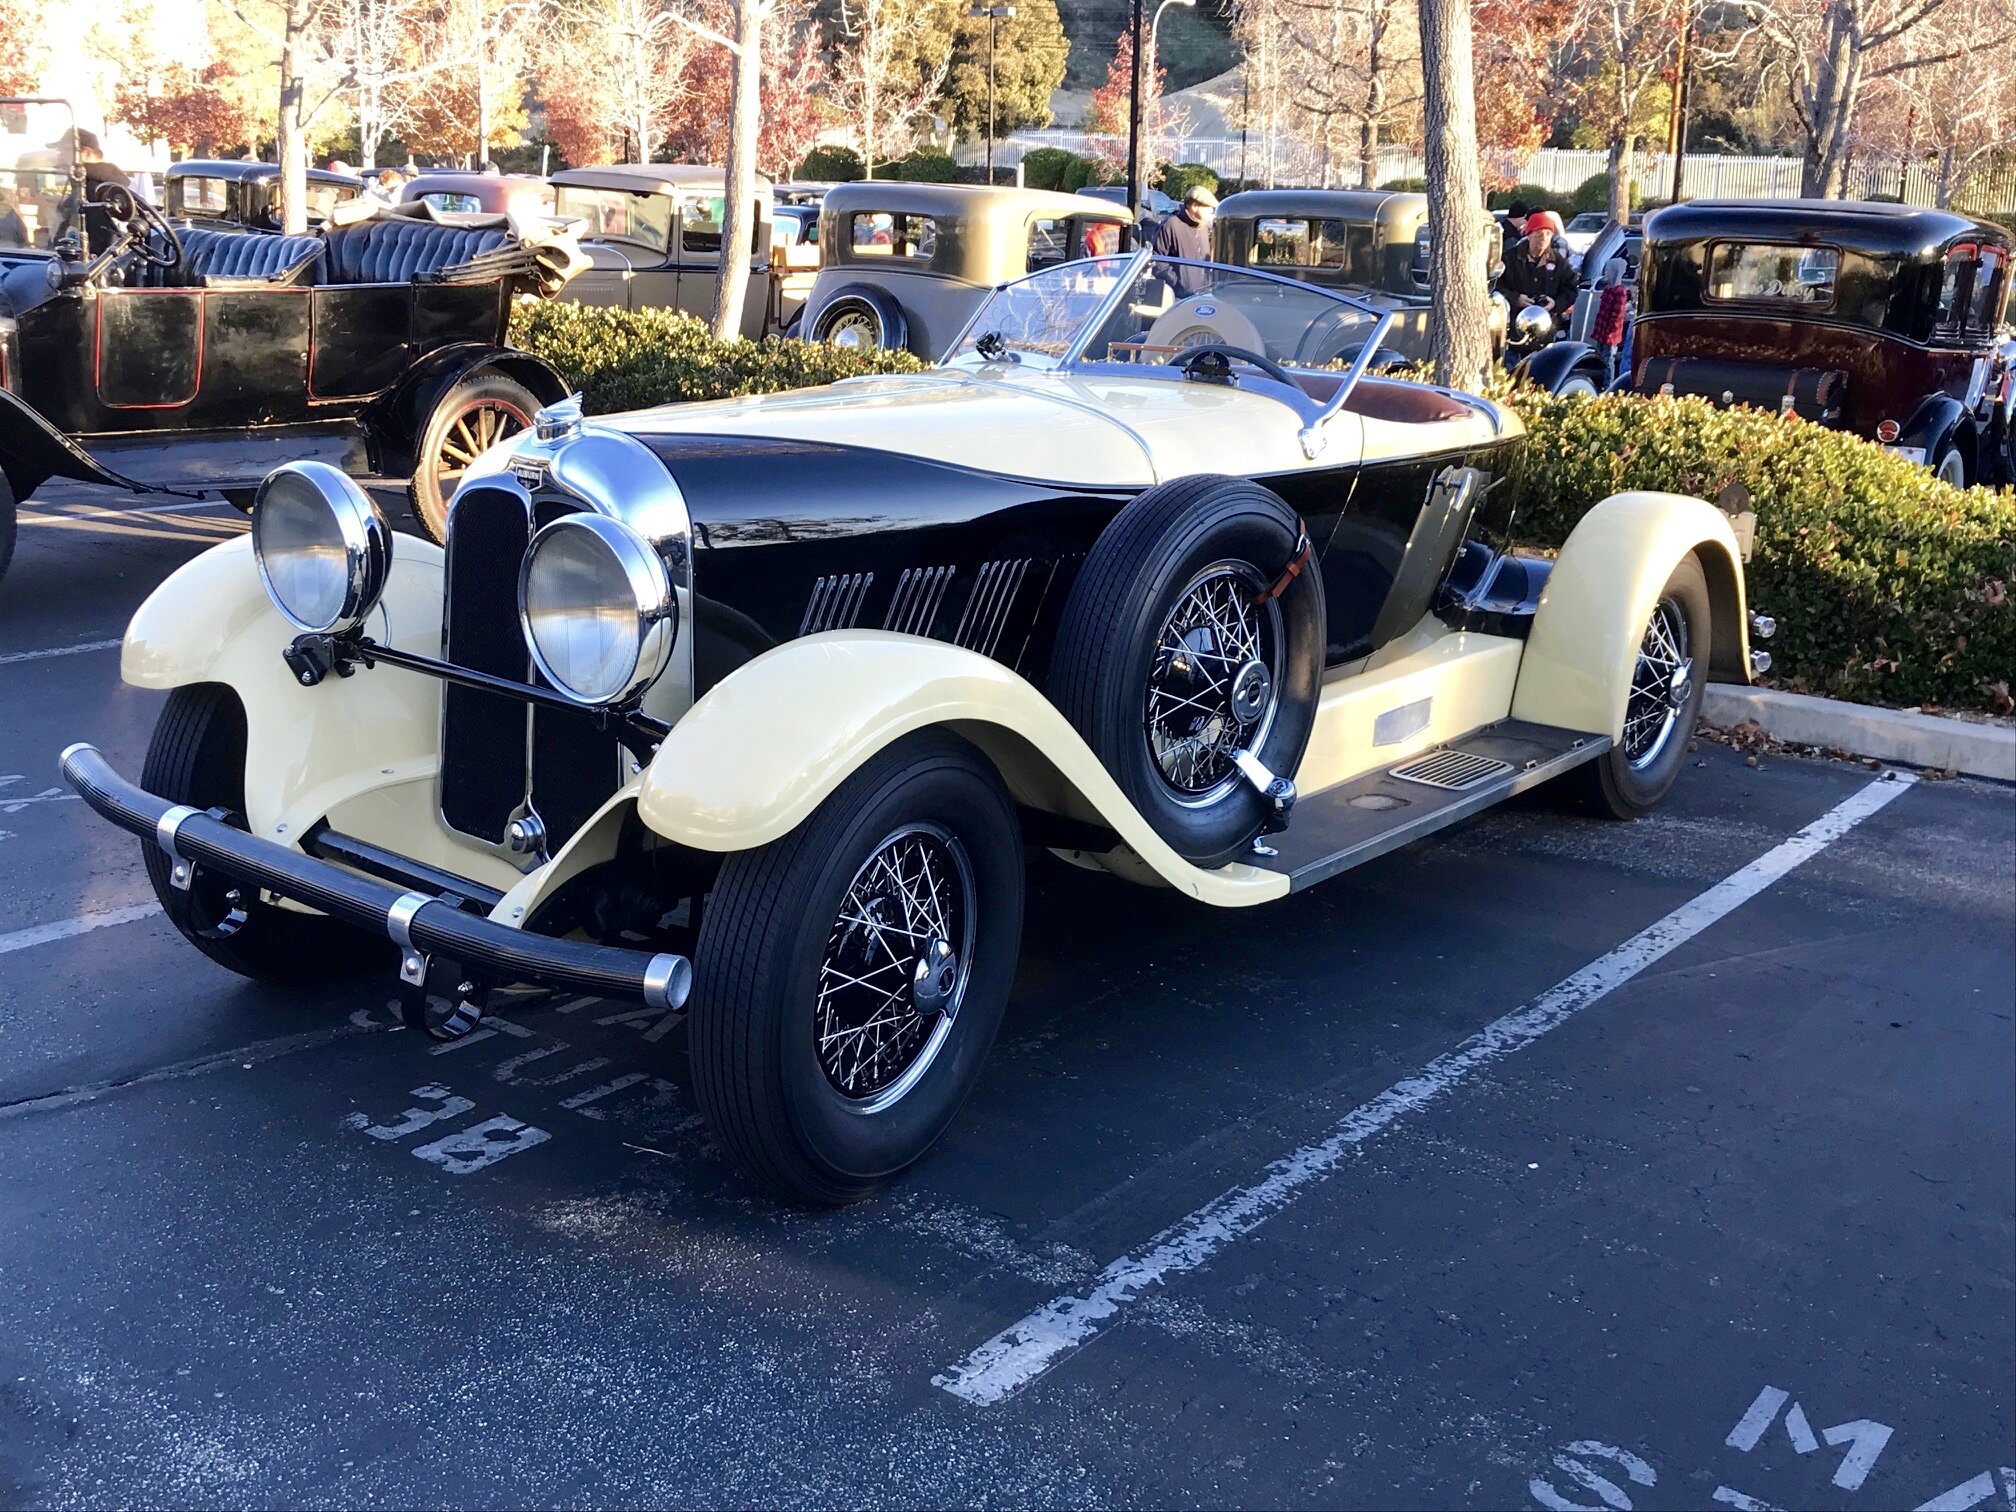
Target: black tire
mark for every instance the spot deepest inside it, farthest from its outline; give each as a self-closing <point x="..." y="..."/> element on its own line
<point x="197" y="757"/>
<point x="1634" y="776"/>
<point x="861" y="315"/>
<point x="1110" y="649"/>
<point x="475" y="414"/>
<point x="769" y="931"/>
<point x="7" y="523"/>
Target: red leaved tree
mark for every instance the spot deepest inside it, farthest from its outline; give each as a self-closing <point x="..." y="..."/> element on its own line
<point x="194" y="111"/>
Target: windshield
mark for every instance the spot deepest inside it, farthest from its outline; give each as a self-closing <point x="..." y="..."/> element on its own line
<point x="618" y="215"/>
<point x="37" y="153"/>
<point x="1150" y="311"/>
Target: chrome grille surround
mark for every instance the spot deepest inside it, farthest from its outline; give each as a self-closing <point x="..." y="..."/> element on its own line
<point x="610" y="473"/>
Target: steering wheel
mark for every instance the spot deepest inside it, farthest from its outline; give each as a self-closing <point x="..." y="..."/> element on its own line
<point x="141" y="221"/>
<point x="1194" y="357"/>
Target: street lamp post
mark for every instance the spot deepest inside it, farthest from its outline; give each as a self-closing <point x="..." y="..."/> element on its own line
<point x="1135" y="166"/>
<point x="994" y="15"/>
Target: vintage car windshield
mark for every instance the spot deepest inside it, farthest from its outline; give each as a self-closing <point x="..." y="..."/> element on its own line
<point x="618" y="215"/>
<point x="35" y="163"/>
<point x="1149" y="310"/>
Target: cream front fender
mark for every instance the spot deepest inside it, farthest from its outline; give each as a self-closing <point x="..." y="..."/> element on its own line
<point x="768" y="744"/>
<point x="1576" y="673"/>
<point x="372" y="738"/>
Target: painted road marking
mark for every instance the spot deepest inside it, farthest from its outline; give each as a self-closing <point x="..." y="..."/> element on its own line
<point x="1026" y="1349"/>
<point x="244" y="1058"/>
<point x="6" y="658"/>
<point x="63" y="929"/>
<point x="461" y="1152"/>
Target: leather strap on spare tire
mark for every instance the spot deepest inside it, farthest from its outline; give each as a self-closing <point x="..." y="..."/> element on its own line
<point x="1194" y="631"/>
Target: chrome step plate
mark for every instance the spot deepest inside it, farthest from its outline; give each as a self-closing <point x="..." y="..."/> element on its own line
<point x="1451" y="770"/>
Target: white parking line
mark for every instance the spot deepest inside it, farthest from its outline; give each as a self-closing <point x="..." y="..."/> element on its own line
<point x="77" y="650"/>
<point x="1025" y="1350"/>
<point x="63" y="929"/>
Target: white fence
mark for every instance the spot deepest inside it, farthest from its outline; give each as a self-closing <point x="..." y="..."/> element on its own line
<point x="1704" y="175"/>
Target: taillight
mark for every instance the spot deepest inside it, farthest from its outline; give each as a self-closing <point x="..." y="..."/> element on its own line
<point x="1887" y="431"/>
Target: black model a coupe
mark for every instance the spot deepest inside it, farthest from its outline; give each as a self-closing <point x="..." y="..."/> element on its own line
<point x="150" y="357"/>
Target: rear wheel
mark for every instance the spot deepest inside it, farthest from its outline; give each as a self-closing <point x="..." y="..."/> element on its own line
<point x="472" y="417"/>
<point x="1581" y="383"/>
<point x="197" y="757"/>
<point x="861" y="319"/>
<point x="850" y="977"/>
<point x="1668" y="682"/>
<point x="1949" y="466"/>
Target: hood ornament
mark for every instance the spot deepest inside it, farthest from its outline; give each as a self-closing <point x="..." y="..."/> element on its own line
<point x="558" y="421"/>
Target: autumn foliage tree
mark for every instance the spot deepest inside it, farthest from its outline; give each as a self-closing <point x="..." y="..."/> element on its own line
<point x="193" y="112"/>
<point x="24" y="49"/>
<point x="1520" y="48"/>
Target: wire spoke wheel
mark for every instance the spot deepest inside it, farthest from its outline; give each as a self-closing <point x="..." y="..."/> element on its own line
<point x="1661" y="683"/>
<point x="1212" y="682"/>
<point x="853" y="330"/>
<point x="895" y="967"/>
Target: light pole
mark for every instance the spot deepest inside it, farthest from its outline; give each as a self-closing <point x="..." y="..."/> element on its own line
<point x="1135" y="165"/>
<point x="993" y="15"/>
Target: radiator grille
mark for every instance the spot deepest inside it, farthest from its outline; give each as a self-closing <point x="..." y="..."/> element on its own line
<point x="1452" y="771"/>
<point x="836" y="602"/>
<point x="483" y="735"/>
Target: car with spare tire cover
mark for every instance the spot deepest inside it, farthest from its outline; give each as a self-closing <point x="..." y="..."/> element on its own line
<point x="752" y="709"/>
<point x="1886" y="321"/>
<point x="904" y="266"/>
<point x="186" y="361"/>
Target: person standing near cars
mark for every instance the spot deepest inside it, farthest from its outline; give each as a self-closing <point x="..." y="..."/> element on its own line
<point x="1187" y="234"/>
<point x="1539" y="270"/>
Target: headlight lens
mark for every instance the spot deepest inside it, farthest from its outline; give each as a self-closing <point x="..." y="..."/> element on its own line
<point x="598" y="608"/>
<point x="323" y="548"/>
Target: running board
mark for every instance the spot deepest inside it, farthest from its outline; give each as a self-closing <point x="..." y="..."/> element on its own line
<point x="1357" y="821"/>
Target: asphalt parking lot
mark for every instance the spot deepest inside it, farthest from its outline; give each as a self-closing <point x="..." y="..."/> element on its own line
<point x="1548" y="1163"/>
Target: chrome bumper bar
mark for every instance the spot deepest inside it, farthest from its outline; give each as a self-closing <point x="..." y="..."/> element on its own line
<point x="420" y="924"/>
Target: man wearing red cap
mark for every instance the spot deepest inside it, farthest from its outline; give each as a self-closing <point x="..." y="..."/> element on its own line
<point x="1539" y="270"/>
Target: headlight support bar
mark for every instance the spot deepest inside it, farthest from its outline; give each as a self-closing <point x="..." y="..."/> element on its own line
<point x="312" y="658"/>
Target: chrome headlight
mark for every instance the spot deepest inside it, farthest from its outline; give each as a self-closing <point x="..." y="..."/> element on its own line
<point x="598" y="609"/>
<point x="323" y="548"/>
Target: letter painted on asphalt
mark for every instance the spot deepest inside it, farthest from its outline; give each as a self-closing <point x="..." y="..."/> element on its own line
<point x="413" y="1120"/>
<point x="1572" y="1464"/>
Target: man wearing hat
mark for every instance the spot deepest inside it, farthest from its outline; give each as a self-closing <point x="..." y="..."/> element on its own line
<point x="1187" y="234"/>
<point x="1540" y="270"/>
<point x="83" y="145"/>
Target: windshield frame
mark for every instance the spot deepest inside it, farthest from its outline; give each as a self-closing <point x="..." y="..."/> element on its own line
<point x="71" y="170"/>
<point x="1137" y="263"/>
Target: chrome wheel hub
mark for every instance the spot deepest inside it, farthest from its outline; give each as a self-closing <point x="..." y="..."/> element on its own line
<point x="895" y="967"/>
<point x="1211" y="682"/>
<point x="1661" y="684"/>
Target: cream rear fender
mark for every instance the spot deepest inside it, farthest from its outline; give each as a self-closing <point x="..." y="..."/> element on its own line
<point x="763" y="748"/>
<point x="1576" y="672"/>
<point x="362" y="751"/>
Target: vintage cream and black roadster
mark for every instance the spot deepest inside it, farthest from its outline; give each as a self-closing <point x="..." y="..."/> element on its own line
<point x="756" y="706"/>
<point x="181" y="360"/>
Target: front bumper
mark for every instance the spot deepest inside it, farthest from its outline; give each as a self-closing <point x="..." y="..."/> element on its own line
<point x="421" y="924"/>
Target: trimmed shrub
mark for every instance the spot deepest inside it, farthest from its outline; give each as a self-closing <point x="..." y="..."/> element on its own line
<point x="1593" y="193"/>
<point x="1406" y="185"/>
<point x="1179" y="178"/>
<point x="1056" y="168"/>
<point x="830" y="165"/>
<point x="632" y="359"/>
<point x="1536" y="198"/>
<point x="924" y="166"/>
<point x="1888" y="585"/>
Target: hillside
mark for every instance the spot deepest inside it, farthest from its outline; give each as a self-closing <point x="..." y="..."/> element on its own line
<point x="1194" y="45"/>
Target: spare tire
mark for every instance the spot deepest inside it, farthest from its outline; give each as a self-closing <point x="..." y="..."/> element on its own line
<point x="1195" y="629"/>
<point x="861" y="316"/>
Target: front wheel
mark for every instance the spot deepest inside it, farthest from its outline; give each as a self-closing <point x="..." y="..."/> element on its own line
<point x="1668" y="683"/>
<point x="850" y="977"/>
<point x="472" y="417"/>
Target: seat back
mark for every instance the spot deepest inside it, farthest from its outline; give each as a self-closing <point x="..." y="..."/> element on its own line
<point x="397" y="250"/>
<point x="249" y="255"/>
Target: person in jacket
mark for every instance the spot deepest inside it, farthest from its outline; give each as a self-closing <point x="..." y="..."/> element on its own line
<point x="1611" y="330"/>
<point x="1540" y="270"/>
<point x="1187" y="234"/>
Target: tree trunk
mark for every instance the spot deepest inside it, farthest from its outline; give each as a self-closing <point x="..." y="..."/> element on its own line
<point x="1837" y="89"/>
<point x="1458" y="283"/>
<point x="482" y="112"/>
<point x="738" y="215"/>
<point x="1620" y="179"/>
<point x="292" y="141"/>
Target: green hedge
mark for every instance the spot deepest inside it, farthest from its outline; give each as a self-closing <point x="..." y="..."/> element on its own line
<point x="1178" y="179"/>
<point x="631" y="359"/>
<point x="830" y="165"/>
<point x="1534" y="196"/>
<point x="1888" y="586"/>
<point x="1058" y="168"/>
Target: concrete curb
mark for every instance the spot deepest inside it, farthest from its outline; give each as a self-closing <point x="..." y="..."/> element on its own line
<point x="1901" y="735"/>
